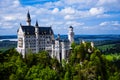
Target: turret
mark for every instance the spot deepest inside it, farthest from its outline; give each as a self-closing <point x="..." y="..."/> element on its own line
<point x="37" y="36"/>
<point x="28" y="19"/>
<point x="71" y="34"/>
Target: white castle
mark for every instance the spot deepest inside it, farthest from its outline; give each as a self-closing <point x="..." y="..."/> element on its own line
<point x="37" y="38"/>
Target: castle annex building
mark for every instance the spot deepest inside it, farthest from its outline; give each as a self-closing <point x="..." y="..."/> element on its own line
<point x="37" y="38"/>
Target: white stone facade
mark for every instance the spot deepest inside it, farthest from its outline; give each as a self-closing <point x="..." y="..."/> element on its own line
<point x="37" y="38"/>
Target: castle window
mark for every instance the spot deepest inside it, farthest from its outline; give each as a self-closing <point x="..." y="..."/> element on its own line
<point x="20" y="42"/>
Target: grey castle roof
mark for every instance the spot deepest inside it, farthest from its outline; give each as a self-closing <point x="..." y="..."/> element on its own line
<point x="30" y="30"/>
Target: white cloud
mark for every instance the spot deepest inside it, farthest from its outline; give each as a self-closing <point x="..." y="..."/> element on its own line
<point x="71" y="2"/>
<point x="9" y="18"/>
<point x="55" y="10"/>
<point x="68" y="10"/>
<point x="104" y="23"/>
<point x="116" y="23"/>
<point x="9" y="3"/>
<point x="102" y="2"/>
<point x="110" y="23"/>
<point x="96" y="11"/>
<point x="68" y="17"/>
<point x="109" y="5"/>
<point x="82" y="2"/>
<point x="16" y="3"/>
<point x="74" y="23"/>
<point x="60" y="13"/>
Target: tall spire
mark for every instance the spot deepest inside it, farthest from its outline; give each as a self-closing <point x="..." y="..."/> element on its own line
<point x="28" y="19"/>
<point x="36" y="23"/>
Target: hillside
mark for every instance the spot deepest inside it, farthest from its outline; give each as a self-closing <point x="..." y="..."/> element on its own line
<point x="84" y="63"/>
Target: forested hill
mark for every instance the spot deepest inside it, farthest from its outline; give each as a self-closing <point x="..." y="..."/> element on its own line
<point x="85" y="62"/>
<point x="77" y="37"/>
<point x="8" y="37"/>
<point x="106" y="43"/>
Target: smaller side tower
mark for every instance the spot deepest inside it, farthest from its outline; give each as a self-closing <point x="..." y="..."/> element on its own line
<point x="37" y="36"/>
<point x="71" y="34"/>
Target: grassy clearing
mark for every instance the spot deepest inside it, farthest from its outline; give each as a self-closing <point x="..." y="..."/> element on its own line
<point x="113" y="57"/>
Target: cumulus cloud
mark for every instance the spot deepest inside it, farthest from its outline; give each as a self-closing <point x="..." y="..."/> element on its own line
<point x="104" y="23"/>
<point x="81" y="3"/>
<point x="58" y="13"/>
<point x="110" y="23"/>
<point x="55" y="10"/>
<point x="110" y="5"/>
<point x="68" y="10"/>
<point x="96" y="11"/>
<point x="74" y="23"/>
<point x="69" y="17"/>
<point x="103" y="2"/>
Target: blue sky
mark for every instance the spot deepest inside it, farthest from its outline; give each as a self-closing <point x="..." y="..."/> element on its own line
<point x="86" y="16"/>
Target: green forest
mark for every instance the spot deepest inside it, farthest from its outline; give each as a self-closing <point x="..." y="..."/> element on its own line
<point x="84" y="63"/>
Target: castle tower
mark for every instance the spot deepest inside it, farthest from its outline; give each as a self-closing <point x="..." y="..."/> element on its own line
<point x="37" y="36"/>
<point x="28" y="19"/>
<point x="71" y="34"/>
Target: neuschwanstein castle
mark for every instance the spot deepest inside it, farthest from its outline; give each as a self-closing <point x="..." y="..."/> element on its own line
<point x="37" y="38"/>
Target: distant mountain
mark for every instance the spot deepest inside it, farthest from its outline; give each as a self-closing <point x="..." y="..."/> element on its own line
<point x="8" y="37"/>
<point x="77" y="37"/>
